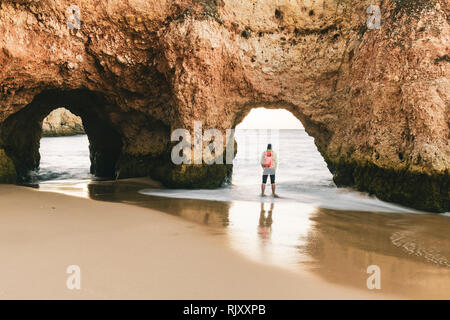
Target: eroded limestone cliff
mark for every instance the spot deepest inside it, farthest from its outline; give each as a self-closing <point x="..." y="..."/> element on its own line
<point x="62" y="122"/>
<point x="376" y="101"/>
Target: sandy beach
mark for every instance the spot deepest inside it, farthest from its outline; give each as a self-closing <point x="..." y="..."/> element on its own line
<point x="130" y="252"/>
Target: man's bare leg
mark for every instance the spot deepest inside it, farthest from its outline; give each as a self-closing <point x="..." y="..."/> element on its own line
<point x="273" y="189"/>
<point x="263" y="188"/>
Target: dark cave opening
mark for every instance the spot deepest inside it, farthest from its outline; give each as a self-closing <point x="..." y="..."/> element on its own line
<point x="22" y="131"/>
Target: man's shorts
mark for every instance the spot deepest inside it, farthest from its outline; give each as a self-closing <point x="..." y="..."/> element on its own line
<point x="272" y="178"/>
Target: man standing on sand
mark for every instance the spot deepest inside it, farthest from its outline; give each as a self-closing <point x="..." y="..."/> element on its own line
<point x="269" y="162"/>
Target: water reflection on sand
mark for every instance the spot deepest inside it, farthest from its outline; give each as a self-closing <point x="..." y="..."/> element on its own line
<point x="412" y="250"/>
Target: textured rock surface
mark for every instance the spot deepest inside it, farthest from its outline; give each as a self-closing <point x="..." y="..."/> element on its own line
<point x="376" y="101"/>
<point x="62" y="122"/>
<point x="7" y="170"/>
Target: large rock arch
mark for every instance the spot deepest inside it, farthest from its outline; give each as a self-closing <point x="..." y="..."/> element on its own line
<point x="376" y="101"/>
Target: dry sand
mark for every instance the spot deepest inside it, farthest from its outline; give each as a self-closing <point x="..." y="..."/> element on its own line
<point x="130" y="252"/>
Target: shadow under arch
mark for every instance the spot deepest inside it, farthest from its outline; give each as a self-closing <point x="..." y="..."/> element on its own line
<point x="22" y="131"/>
<point x="211" y="213"/>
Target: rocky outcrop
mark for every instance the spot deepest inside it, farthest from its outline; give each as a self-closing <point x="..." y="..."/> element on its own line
<point x="376" y="101"/>
<point x="62" y="122"/>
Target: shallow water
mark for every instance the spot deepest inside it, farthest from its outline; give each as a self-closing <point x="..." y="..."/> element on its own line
<point x="302" y="175"/>
<point x="64" y="158"/>
<point x="334" y="233"/>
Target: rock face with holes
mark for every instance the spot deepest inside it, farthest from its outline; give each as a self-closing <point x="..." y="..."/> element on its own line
<point x="62" y="122"/>
<point x="375" y="100"/>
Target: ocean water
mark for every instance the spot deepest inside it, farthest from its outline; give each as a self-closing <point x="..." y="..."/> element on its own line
<point x="64" y="159"/>
<point x="302" y="175"/>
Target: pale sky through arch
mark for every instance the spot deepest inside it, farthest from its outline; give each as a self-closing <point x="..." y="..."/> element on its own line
<point x="262" y="118"/>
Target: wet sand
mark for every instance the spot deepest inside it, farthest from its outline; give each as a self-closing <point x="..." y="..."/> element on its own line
<point x="127" y="251"/>
<point x="411" y="249"/>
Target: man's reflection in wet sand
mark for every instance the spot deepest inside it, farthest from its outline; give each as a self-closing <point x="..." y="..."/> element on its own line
<point x="265" y="222"/>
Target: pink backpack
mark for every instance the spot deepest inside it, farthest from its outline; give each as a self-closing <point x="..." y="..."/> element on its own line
<point x="268" y="159"/>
